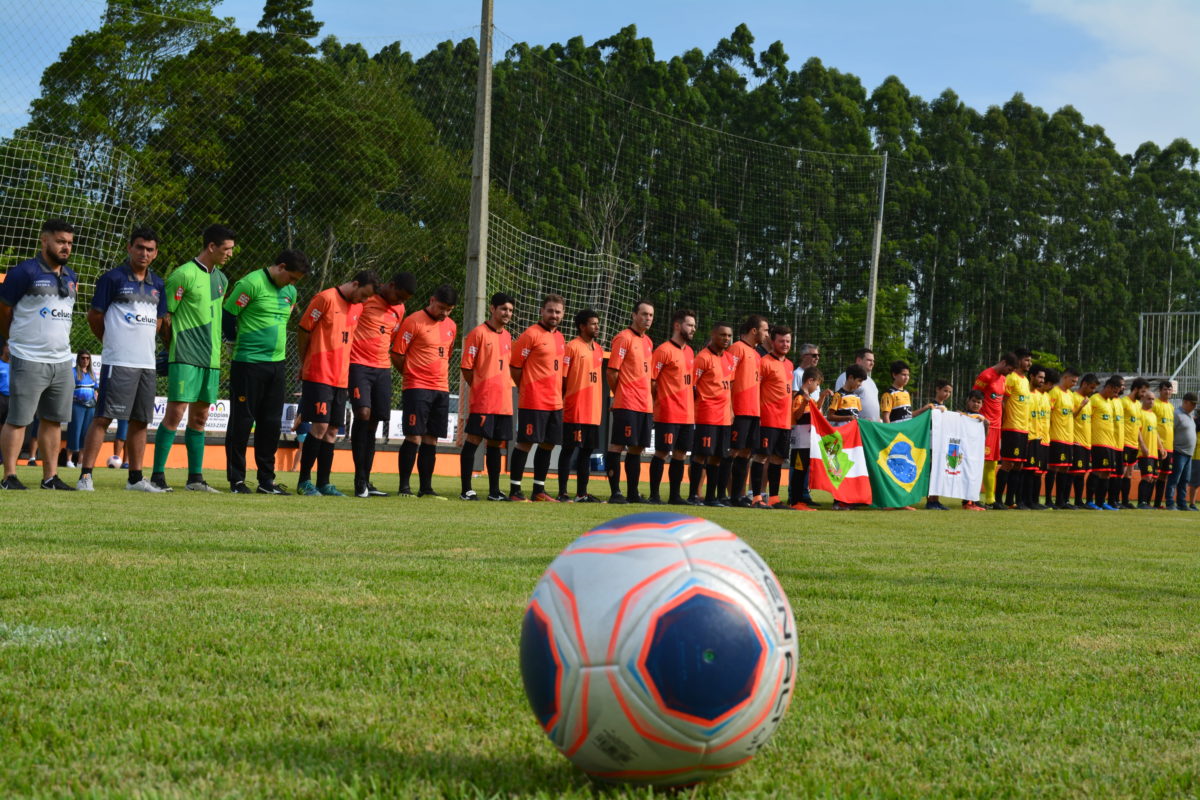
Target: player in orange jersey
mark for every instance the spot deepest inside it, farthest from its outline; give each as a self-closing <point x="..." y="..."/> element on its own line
<point x="673" y="373"/>
<point x="486" y="354"/>
<point x="774" y="433"/>
<point x="629" y="380"/>
<point x="714" y="415"/>
<point x="324" y="342"/>
<point x="583" y="367"/>
<point x="537" y="371"/>
<point x="422" y="354"/>
<point x="743" y="437"/>
<point x="371" y="373"/>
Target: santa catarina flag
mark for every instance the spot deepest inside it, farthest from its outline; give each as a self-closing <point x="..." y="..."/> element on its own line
<point x="837" y="463"/>
<point x="897" y="455"/>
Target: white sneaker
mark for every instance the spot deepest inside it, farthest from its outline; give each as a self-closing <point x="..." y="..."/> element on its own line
<point x="84" y="484"/>
<point x="201" y="486"/>
<point x="70" y="464"/>
<point x="144" y="485"/>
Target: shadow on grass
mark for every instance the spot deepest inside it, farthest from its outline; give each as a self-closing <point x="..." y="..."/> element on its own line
<point x="371" y="768"/>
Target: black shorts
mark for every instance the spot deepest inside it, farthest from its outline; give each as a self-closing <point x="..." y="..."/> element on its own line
<point x="585" y="437"/>
<point x="1148" y="466"/>
<point x="711" y="440"/>
<point x="426" y="412"/>
<point x="1131" y="456"/>
<point x="539" y="426"/>
<point x="631" y="428"/>
<point x="493" y="427"/>
<point x="320" y="402"/>
<point x="673" y="437"/>
<point x="1166" y="464"/>
<point x="371" y="387"/>
<point x="1083" y="459"/>
<point x="1104" y="459"/>
<point x="744" y="433"/>
<point x="1014" y="446"/>
<point x="1062" y="454"/>
<point x="774" y="442"/>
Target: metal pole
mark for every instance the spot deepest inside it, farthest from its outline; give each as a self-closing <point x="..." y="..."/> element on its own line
<point x="1141" y="341"/>
<point x="476" y="284"/>
<point x="475" y="304"/>
<point x="873" y="292"/>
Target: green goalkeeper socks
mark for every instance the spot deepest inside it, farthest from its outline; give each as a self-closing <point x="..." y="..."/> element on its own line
<point x="164" y="437"/>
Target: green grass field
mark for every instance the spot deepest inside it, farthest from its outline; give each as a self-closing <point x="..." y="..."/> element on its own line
<point x="253" y="646"/>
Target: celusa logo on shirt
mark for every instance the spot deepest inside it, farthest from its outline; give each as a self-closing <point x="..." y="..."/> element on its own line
<point x="55" y="313"/>
<point x="139" y="319"/>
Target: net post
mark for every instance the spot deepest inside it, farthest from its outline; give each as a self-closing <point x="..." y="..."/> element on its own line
<point x="869" y="338"/>
<point x="474" y="310"/>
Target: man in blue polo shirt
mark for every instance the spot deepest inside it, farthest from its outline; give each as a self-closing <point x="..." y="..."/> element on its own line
<point x="37" y="299"/>
<point x="126" y="314"/>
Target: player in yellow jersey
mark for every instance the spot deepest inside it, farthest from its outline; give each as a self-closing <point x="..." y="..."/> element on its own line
<point x="1131" y="422"/>
<point x="1149" y="449"/>
<point x="1083" y="437"/>
<point x="1062" y="438"/>
<point x="1104" y="441"/>
<point x="1165" y="412"/>
<point x="1030" y="475"/>
<point x="1014" y="432"/>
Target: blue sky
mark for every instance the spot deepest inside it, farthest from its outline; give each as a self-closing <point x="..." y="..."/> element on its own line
<point x="1132" y="66"/>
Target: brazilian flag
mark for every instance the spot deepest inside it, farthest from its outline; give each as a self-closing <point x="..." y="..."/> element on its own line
<point x="897" y="456"/>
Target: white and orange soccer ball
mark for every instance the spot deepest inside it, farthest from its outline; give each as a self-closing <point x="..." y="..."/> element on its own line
<point x="659" y="649"/>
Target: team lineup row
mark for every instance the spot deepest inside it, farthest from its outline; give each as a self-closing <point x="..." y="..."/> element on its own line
<point x="739" y="408"/>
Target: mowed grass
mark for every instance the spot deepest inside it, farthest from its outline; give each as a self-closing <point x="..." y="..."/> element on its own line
<point x="254" y="646"/>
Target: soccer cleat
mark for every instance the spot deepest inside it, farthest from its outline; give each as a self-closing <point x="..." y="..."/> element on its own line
<point x="12" y="483"/>
<point x="84" y="484"/>
<point x="973" y="506"/>
<point x="587" y="498"/>
<point x="653" y="500"/>
<point x="143" y="486"/>
<point x="468" y="495"/>
<point x="1192" y="507"/>
<point x="1021" y="507"/>
<point x="744" y="502"/>
<point x="240" y="488"/>
<point x="329" y="490"/>
<point x="808" y="501"/>
<point x="431" y="494"/>
<point x="695" y="501"/>
<point x="307" y="488"/>
<point x="56" y="483"/>
<point x="360" y="489"/>
<point x="998" y="506"/>
<point x="541" y="497"/>
<point x="160" y="480"/>
<point x="1107" y="507"/>
<point x="33" y="462"/>
<point x="201" y="486"/>
<point x="405" y="493"/>
<point x="759" y="504"/>
<point x="635" y="498"/>
<point x="714" y="503"/>
<point x="934" y="505"/>
<point x="677" y="501"/>
<point x="618" y="499"/>
<point x="517" y="496"/>
<point x="1091" y="506"/>
<point x="498" y="497"/>
<point x="801" y="506"/>
<point x="1143" y="506"/>
<point x="373" y="492"/>
<point x="1170" y="506"/>
<point x="1128" y="506"/>
<point x="272" y="488"/>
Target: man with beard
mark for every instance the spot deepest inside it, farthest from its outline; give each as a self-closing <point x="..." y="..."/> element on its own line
<point x="536" y="368"/>
<point x="673" y="374"/>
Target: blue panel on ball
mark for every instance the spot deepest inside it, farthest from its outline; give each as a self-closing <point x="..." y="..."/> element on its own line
<point x="656" y="519"/>
<point x="539" y="669"/>
<point x="703" y="657"/>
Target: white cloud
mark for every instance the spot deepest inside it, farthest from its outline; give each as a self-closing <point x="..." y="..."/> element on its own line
<point x="1145" y="85"/>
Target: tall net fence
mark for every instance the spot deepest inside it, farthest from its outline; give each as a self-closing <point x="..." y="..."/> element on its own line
<point x="726" y="182"/>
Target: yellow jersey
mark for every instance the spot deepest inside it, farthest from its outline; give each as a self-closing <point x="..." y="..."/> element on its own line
<point x="1118" y="423"/>
<point x="1083" y="421"/>
<point x="1016" y="403"/>
<point x="1166" y="423"/>
<point x="1101" y="409"/>
<point x="1062" y="415"/>
<point x="1131" y="416"/>
<point x="1149" y="432"/>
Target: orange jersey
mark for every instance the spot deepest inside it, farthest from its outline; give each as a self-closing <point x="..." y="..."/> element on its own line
<point x="539" y="355"/>
<point x="775" y="392"/>
<point x="376" y="332"/>
<point x="714" y="379"/>
<point x="583" y="367"/>
<point x="426" y="345"/>
<point x="746" y="362"/>
<point x="630" y="357"/>
<point x="674" y="372"/>
<point x="330" y="320"/>
<point x="486" y="354"/>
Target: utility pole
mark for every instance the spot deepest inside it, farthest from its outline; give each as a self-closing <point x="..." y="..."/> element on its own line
<point x="874" y="288"/>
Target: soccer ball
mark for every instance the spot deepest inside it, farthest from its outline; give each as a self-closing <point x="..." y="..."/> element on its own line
<point x="113" y="462"/>
<point x="658" y="649"/>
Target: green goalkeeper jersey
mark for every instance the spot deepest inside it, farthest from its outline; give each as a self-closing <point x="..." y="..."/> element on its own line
<point x="262" y="309"/>
<point x="194" y="296"/>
